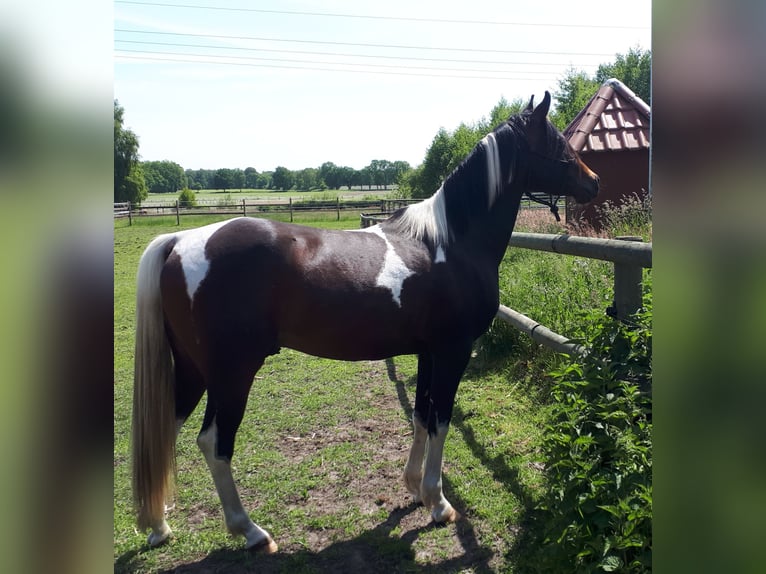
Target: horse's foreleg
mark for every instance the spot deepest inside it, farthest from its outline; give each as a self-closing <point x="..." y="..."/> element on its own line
<point x="431" y="487"/>
<point x="448" y="367"/>
<point x="237" y="519"/>
<point x="413" y="470"/>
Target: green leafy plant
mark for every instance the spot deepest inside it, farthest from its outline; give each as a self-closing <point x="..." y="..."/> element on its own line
<point x="187" y="198"/>
<point x="597" y="507"/>
<point x="632" y="216"/>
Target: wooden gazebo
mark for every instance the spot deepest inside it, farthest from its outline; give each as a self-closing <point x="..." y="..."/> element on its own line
<point x="611" y="133"/>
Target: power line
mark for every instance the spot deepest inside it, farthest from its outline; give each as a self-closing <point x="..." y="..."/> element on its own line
<point x="366" y="45"/>
<point x="378" y="17"/>
<point x="324" y="63"/>
<point x="346" y="55"/>
<point x="317" y="69"/>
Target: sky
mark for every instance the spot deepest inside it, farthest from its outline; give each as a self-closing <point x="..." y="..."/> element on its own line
<point x="296" y="83"/>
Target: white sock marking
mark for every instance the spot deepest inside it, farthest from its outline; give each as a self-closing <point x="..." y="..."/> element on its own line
<point x="413" y="470"/>
<point x="237" y="519"/>
<point x="394" y="270"/>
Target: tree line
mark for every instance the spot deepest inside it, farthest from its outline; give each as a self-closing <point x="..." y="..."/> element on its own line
<point x="575" y="89"/>
<point x="133" y="179"/>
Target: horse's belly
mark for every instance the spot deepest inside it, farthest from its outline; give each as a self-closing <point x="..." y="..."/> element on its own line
<point x="357" y="341"/>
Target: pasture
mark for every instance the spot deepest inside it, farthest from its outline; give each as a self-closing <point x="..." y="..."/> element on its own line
<point x="323" y="443"/>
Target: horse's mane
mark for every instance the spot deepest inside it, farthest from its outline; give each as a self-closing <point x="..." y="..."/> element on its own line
<point x="470" y="190"/>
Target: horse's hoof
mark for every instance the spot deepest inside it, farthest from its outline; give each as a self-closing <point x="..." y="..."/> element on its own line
<point x="265" y="546"/>
<point x="445" y="515"/>
<point x="160" y="536"/>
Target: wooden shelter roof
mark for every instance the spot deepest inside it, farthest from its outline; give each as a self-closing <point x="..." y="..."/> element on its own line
<point x="615" y="119"/>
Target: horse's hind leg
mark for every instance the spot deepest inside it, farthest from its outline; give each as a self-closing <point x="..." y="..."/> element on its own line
<point x="227" y="398"/>
<point x="189" y="388"/>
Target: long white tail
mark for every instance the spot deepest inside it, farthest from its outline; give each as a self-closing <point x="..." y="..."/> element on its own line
<point x="153" y="393"/>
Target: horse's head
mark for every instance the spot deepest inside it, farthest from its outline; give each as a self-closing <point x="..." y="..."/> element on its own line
<point x="553" y="167"/>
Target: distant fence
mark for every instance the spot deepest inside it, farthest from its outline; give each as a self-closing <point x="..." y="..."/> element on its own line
<point x="254" y="207"/>
<point x="368" y="219"/>
<point x="630" y="256"/>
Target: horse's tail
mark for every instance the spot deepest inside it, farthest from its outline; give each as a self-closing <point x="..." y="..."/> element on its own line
<point x="154" y="426"/>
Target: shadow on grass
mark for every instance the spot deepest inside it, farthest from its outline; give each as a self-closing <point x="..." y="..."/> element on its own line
<point x="374" y="551"/>
<point x="528" y="537"/>
<point x="377" y="550"/>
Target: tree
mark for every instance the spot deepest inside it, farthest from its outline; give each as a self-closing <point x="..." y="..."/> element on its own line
<point x="164" y="176"/>
<point x="576" y="88"/>
<point x="251" y="178"/>
<point x="129" y="184"/>
<point x="307" y="179"/>
<point x="282" y="179"/>
<point x="263" y="181"/>
<point x="633" y="69"/>
<point x="346" y="176"/>
<point x="330" y="174"/>
<point x="200" y="178"/>
<point x="500" y="113"/>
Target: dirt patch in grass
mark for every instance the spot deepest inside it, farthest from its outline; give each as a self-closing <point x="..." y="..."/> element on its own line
<point x="358" y="515"/>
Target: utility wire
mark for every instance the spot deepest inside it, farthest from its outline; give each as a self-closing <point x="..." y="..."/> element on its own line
<point x="345" y="55"/>
<point x="378" y="17"/>
<point x="335" y="43"/>
<point x="318" y="69"/>
<point x="325" y="63"/>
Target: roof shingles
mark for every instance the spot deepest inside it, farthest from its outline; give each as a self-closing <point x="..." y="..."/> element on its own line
<point x="615" y="119"/>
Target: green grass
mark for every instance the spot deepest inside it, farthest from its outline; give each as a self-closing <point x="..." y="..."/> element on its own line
<point x="238" y="195"/>
<point x="321" y="449"/>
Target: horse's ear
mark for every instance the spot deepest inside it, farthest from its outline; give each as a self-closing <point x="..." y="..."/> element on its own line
<point x="531" y="104"/>
<point x="541" y="111"/>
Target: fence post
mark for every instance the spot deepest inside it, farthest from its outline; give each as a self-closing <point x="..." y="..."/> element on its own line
<point x="627" y="286"/>
<point x="291" y="208"/>
<point x="178" y="213"/>
<point x="244" y="209"/>
<point x="130" y="216"/>
<point x="337" y="204"/>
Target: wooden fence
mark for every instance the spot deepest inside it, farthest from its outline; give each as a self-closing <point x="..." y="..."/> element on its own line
<point x="247" y="207"/>
<point x="629" y="255"/>
<point x="389" y="206"/>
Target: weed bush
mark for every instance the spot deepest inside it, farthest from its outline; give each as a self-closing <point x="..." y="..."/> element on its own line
<point x="597" y="507"/>
<point x="632" y="216"/>
<point x="187" y="198"/>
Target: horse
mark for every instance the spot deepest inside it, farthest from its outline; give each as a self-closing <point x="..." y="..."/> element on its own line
<point x="215" y="301"/>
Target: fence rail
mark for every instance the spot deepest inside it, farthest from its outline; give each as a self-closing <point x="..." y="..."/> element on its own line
<point x="246" y="207"/>
<point x="629" y="255"/>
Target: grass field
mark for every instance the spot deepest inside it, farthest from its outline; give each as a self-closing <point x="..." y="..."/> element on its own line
<point x="320" y="451"/>
<point x="237" y="194"/>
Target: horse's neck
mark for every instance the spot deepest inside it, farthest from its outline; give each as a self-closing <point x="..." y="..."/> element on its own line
<point x="491" y="232"/>
<point x="483" y="224"/>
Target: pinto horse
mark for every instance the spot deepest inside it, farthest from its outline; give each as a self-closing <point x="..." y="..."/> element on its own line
<point x="214" y="302"/>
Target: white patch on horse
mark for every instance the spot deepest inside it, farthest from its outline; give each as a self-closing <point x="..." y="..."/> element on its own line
<point x="440" y="256"/>
<point x="494" y="172"/>
<point x="191" y="249"/>
<point x="427" y="219"/>
<point x="394" y="270"/>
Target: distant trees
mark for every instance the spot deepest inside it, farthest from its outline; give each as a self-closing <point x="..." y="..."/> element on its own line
<point x="282" y="179"/>
<point x="129" y="182"/>
<point x="164" y="176"/>
<point x="575" y="89"/>
<point x="633" y="69"/>
<point x="448" y="149"/>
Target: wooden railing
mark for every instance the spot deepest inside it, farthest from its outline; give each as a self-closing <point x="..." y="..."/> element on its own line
<point x="630" y="256"/>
